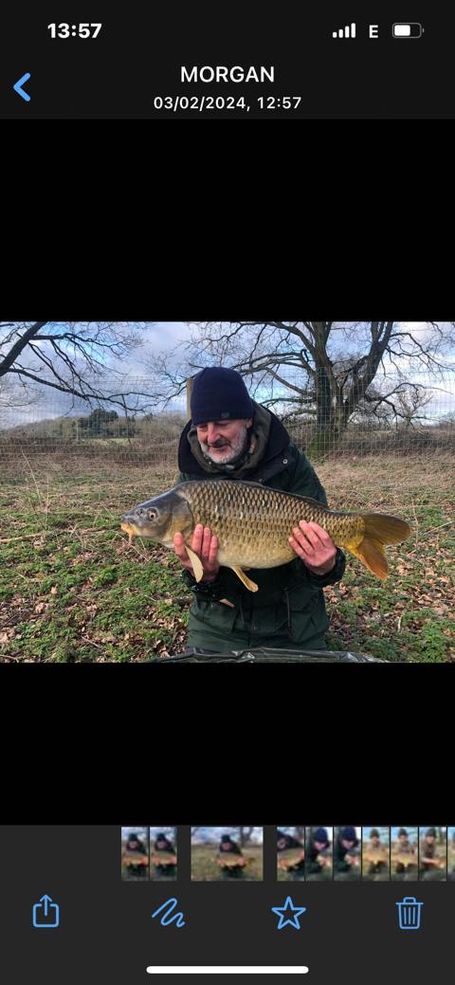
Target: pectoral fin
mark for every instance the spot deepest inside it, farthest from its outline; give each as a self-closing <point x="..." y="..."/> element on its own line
<point x="250" y="585"/>
<point x="196" y="562"/>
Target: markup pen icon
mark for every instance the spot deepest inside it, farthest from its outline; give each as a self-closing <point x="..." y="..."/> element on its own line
<point x="167" y="915"/>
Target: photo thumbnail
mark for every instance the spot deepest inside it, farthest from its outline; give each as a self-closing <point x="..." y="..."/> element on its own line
<point x="226" y="853"/>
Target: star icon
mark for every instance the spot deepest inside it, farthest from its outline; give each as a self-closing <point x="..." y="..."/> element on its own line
<point x="288" y="907"/>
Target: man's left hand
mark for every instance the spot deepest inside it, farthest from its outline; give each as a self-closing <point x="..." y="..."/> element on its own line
<point x="314" y="546"/>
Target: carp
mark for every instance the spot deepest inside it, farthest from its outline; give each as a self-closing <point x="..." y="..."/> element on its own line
<point x="253" y="524"/>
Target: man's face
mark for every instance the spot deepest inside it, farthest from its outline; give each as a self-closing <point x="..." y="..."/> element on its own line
<point x="319" y="845"/>
<point x="346" y="843"/>
<point x="223" y="441"/>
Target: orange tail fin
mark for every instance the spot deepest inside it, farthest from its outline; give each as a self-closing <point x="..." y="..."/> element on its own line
<point x="380" y="529"/>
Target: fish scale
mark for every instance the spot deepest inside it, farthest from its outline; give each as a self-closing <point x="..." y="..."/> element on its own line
<point x="255" y="522"/>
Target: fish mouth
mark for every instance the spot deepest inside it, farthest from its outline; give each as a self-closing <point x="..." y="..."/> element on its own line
<point x="134" y="527"/>
<point x="129" y="521"/>
<point x="129" y="529"/>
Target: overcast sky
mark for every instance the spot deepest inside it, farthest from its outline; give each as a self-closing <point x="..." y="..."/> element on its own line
<point x="205" y="836"/>
<point x="159" y="338"/>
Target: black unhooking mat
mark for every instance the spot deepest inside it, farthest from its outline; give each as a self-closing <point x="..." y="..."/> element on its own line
<point x="266" y="655"/>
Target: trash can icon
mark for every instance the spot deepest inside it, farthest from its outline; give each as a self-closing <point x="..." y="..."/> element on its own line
<point x="409" y="913"/>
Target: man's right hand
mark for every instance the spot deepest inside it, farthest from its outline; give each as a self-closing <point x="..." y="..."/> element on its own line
<point x="205" y="545"/>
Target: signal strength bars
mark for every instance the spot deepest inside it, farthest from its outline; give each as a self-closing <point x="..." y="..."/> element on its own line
<point x="348" y="31"/>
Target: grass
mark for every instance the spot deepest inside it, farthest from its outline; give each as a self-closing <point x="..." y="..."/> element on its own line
<point x="72" y="589"/>
<point x="283" y="876"/>
<point x="205" y="869"/>
<point x="409" y="617"/>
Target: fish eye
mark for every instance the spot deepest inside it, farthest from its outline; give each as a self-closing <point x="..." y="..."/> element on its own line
<point x="152" y="514"/>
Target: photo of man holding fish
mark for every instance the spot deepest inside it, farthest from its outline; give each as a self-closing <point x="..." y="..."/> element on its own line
<point x="247" y="500"/>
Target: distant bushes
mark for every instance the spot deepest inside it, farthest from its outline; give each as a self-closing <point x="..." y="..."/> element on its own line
<point x="387" y="441"/>
<point x="105" y="437"/>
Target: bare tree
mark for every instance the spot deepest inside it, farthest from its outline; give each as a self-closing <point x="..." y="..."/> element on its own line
<point x="399" y="405"/>
<point x="324" y="371"/>
<point x="14" y="396"/>
<point x="412" y="399"/>
<point x="245" y="835"/>
<point x="74" y="358"/>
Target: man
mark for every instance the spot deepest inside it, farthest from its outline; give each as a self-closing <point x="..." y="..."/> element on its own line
<point x="376" y="854"/>
<point x="294" y="863"/>
<point x="232" y="866"/>
<point x="163" y="844"/>
<point x="231" y="436"/>
<point x="403" y="846"/>
<point x="318" y="859"/>
<point x="284" y="841"/>
<point x="432" y="862"/>
<point x="134" y="844"/>
<point x="165" y="861"/>
<point x="346" y="852"/>
<point x="227" y="844"/>
<point x="135" y="857"/>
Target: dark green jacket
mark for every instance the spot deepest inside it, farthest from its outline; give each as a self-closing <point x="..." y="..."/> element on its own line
<point x="288" y="611"/>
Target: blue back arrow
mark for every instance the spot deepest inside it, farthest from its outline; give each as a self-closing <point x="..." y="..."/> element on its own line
<point x="20" y="82"/>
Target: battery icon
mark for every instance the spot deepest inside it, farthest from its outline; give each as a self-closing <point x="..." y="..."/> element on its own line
<point x="412" y="30"/>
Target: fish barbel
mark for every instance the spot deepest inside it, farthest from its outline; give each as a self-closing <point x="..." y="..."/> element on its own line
<point x="253" y="524"/>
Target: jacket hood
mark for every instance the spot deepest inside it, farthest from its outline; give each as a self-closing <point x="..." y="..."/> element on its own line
<point x="268" y="439"/>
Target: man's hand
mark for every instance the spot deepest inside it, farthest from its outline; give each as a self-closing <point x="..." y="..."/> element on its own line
<point x="205" y="545"/>
<point x="314" y="546"/>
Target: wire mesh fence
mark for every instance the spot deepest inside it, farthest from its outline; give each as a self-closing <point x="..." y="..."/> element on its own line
<point x="420" y="420"/>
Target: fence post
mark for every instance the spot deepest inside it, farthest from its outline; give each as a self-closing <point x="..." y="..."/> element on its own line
<point x="189" y="387"/>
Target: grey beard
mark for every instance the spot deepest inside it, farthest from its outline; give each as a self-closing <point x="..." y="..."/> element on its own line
<point x="236" y="452"/>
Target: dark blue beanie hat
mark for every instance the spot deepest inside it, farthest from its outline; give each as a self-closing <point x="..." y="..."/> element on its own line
<point x="219" y="394"/>
<point x="320" y="835"/>
<point x="348" y="834"/>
